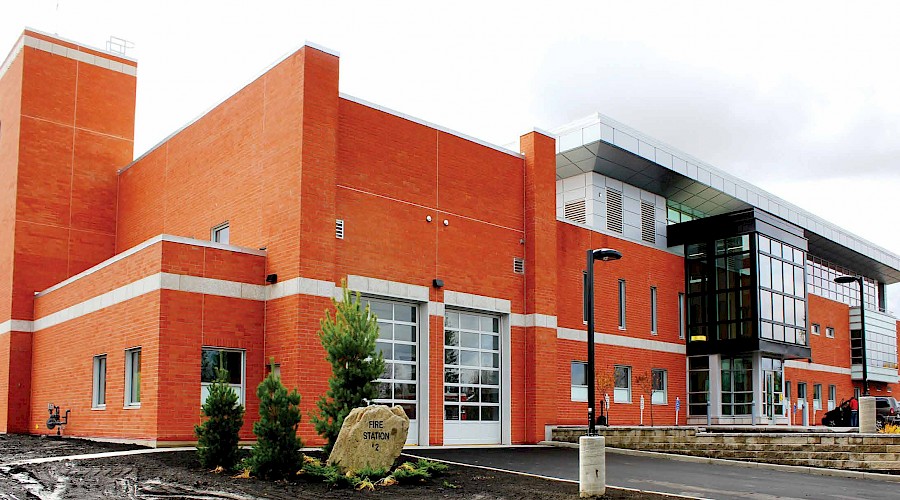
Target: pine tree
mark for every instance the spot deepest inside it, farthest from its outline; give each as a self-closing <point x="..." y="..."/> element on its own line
<point x="276" y="453"/>
<point x="349" y="342"/>
<point x="217" y="436"/>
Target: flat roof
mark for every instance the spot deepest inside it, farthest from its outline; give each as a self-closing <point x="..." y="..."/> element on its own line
<point x="600" y="144"/>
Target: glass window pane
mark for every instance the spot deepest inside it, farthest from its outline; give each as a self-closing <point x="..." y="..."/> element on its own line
<point x="451" y="375"/>
<point x="451" y="412"/>
<point x="765" y="271"/>
<point x="451" y="320"/>
<point x="381" y="309"/>
<point x="490" y="377"/>
<point x="386" y="349"/>
<point x="404" y="372"/>
<point x="468" y="376"/>
<point x="451" y="338"/>
<point x="469" y="340"/>
<point x="468" y="358"/>
<point x="468" y="321"/>
<point x="405" y="391"/>
<point x="469" y="413"/>
<point x="451" y="356"/>
<point x="491" y="342"/>
<point x="404" y="312"/>
<point x="490" y="413"/>
<point x="490" y="395"/>
<point x="468" y="394"/>
<point x="385" y="330"/>
<point x="209" y="362"/>
<point x="405" y="333"/>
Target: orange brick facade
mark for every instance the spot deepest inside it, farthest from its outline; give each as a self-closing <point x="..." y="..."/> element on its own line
<point x="118" y="253"/>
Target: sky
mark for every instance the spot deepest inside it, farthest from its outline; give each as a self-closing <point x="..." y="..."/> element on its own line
<point x="799" y="98"/>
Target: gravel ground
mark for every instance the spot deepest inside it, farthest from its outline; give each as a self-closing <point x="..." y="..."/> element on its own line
<point x="171" y="475"/>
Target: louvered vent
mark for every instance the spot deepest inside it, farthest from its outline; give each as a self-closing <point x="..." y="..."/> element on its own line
<point x="648" y="222"/>
<point x="613" y="210"/>
<point x="575" y="211"/>
<point x="518" y="265"/>
<point x="339" y="229"/>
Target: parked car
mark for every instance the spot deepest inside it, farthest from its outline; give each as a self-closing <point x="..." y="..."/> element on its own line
<point x="838" y="417"/>
<point x="887" y="411"/>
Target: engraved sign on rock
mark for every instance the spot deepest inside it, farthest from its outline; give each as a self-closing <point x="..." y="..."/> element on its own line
<point x="371" y="436"/>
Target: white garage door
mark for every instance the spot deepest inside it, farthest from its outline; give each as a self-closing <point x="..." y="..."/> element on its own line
<point x="398" y="341"/>
<point x="471" y="378"/>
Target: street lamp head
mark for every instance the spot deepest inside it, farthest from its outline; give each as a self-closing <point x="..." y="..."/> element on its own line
<point x="606" y="254"/>
<point x="846" y="279"/>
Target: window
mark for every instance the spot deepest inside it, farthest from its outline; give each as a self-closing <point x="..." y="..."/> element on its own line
<point x="698" y="384"/>
<point x="832" y="396"/>
<point x="817" y="397"/>
<point x="622" y="393"/>
<point x="653" y="310"/>
<point x="221" y="233"/>
<point x="621" y="304"/>
<point x="133" y="377"/>
<point x="232" y="361"/>
<point x="737" y="386"/>
<point x="787" y="397"/>
<point x="579" y="381"/>
<point x="659" y="380"/>
<point x="815" y="329"/>
<point x="829" y="332"/>
<point x="681" y="316"/>
<point x="801" y="390"/>
<point x="99" y="397"/>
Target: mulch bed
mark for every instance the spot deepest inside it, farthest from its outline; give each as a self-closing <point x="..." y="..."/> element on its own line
<point x="179" y="475"/>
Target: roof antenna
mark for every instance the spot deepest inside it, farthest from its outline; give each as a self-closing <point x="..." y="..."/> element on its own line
<point x="118" y="45"/>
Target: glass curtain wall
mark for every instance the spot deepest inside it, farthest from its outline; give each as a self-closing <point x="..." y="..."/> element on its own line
<point x="782" y="292"/>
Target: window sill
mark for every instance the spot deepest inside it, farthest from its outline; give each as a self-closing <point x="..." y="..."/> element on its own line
<point x="622" y="328"/>
<point x="101" y="407"/>
<point x="136" y="406"/>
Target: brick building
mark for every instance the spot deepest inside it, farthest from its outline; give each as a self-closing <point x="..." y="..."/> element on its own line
<point x="123" y="282"/>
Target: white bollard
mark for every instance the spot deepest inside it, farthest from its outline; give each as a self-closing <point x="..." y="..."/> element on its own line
<point x="867" y="415"/>
<point x="592" y="465"/>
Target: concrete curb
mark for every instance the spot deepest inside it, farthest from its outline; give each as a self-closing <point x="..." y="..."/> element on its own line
<point x="89" y="456"/>
<point x="818" y="471"/>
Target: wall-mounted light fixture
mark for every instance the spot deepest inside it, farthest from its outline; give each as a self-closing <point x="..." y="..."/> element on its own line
<point x="272" y="278"/>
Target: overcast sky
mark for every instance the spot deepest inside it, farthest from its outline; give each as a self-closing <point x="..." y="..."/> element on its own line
<point x="799" y="98"/>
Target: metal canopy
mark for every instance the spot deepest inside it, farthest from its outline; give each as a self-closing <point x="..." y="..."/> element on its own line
<point x="602" y="145"/>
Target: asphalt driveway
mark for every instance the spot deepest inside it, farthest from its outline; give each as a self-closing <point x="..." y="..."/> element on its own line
<point x="719" y="481"/>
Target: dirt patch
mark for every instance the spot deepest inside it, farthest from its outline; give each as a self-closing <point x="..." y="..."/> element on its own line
<point x="169" y="475"/>
<point x="14" y="447"/>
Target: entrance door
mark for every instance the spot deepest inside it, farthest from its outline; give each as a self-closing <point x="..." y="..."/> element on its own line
<point x="471" y="378"/>
<point x="772" y="400"/>
<point x="398" y="334"/>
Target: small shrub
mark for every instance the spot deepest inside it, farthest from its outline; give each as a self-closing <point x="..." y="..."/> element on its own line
<point x="890" y="429"/>
<point x="276" y="453"/>
<point x="432" y="468"/>
<point x="372" y="474"/>
<point x="218" y="435"/>
<point x="410" y="474"/>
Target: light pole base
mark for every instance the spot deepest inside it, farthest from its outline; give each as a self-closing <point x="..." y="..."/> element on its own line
<point x="592" y="465"/>
<point x="867" y="415"/>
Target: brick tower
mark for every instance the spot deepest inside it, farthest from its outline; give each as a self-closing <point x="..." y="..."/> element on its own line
<point x="66" y="126"/>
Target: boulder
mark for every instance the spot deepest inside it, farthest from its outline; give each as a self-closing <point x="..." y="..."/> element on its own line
<point x="371" y="436"/>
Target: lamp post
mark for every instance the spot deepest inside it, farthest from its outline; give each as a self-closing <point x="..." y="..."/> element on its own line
<point x="862" y="325"/>
<point x="604" y="254"/>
